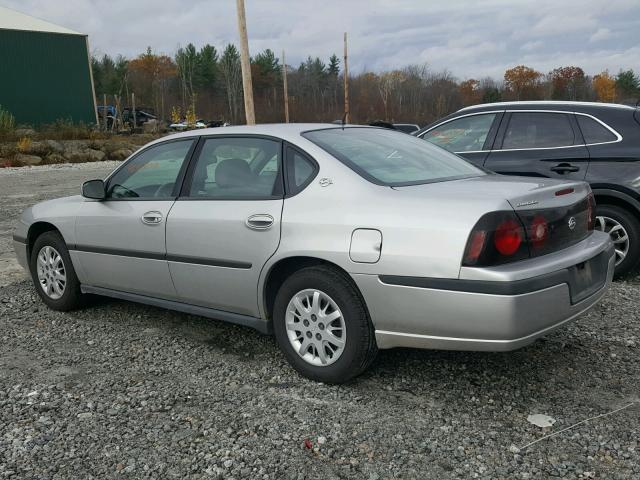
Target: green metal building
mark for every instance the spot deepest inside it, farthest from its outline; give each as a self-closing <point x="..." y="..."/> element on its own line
<point x="45" y="72"/>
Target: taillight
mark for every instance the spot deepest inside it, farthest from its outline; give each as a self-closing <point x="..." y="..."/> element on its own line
<point x="498" y="237"/>
<point x="591" y="212"/>
<point x="538" y="231"/>
<point x="508" y="237"/>
<point x="475" y="246"/>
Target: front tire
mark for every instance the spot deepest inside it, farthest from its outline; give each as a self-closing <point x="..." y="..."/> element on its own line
<point x="624" y="229"/>
<point x="52" y="272"/>
<point x="322" y="326"/>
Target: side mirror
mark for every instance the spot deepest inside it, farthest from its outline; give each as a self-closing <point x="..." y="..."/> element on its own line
<point x="94" y="189"/>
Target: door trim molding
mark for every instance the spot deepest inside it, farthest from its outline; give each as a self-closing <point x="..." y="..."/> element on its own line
<point x="260" y="324"/>
<point x="212" y="262"/>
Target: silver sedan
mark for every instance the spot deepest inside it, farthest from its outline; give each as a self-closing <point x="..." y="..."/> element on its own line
<point x="339" y="240"/>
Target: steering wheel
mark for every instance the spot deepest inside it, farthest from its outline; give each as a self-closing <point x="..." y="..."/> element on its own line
<point x="164" y="190"/>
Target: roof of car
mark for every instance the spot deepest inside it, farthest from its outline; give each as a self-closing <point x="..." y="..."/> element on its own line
<point x="544" y="105"/>
<point x="285" y="131"/>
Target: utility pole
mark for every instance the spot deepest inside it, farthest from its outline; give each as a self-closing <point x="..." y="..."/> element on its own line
<point x="286" y="90"/>
<point x="133" y="110"/>
<point x="246" y="65"/>
<point x="346" y="82"/>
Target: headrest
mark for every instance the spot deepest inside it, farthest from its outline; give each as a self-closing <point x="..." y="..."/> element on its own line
<point x="233" y="172"/>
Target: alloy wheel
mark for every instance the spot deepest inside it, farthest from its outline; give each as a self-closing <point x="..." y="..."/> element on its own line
<point x="315" y="327"/>
<point x="52" y="275"/>
<point x="618" y="235"/>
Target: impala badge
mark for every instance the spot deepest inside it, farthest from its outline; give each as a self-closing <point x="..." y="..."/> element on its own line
<point x="572" y="223"/>
<point x="325" y="182"/>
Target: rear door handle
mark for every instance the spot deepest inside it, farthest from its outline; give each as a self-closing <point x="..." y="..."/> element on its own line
<point x="564" y="168"/>
<point x="259" y="221"/>
<point x="152" y="218"/>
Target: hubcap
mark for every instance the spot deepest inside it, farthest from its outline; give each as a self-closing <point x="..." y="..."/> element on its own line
<point x="618" y="235"/>
<point x="315" y="327"/>
<point x="52" y="275"/>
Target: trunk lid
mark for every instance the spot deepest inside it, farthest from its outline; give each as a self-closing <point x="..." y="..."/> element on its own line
<point x="555" y="214"/>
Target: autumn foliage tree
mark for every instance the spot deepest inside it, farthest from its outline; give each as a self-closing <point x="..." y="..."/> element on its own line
<point x="605" y="87"/>
<point x="209" y="82"/>
<point x="567" y="83"/>
<point x="523" y="82"/>
<point x="470" y="92"/>
<point x="151" y="74"/>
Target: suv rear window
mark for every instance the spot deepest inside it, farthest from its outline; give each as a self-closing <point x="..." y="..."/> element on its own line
<point x="593" y="131"/>
<point x="385" y="157"/>
<point x="538" y="130"/>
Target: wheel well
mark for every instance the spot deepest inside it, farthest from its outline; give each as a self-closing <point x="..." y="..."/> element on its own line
<point x="35" y="231"/>
<point x="285" y="268"/>
<point x="605" y="199"/>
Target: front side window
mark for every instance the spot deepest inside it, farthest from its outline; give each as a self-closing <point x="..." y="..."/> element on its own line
<point x="464" y="134"/>
<point x="593" y="131"/>
<point x="151" y="174"/>
<point x="538" y="130"/>
<point x="237" y="167"/>
<point x="391" y="158"/>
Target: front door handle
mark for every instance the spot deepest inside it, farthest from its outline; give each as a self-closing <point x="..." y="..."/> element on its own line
<point x="564" y="168"/>
<point x="259" y="221"/>
<point x="152" y="218"/>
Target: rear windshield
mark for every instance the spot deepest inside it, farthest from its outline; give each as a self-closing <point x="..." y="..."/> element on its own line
<point x="390" y="158"/>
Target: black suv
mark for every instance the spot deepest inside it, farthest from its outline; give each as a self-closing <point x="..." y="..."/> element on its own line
<point x="595" y="142"/>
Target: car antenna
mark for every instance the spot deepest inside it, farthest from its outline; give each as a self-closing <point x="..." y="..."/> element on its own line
<point x="344" y="119"/>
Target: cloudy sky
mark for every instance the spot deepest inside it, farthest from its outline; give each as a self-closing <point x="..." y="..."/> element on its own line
<point x="469" y="38"/>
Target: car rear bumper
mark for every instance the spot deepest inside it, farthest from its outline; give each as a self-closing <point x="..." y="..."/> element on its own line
<point x="488" y="315"/>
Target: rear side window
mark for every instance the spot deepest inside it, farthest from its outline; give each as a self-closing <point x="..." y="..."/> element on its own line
<point x="463" y="134"/>
<point x="300" y="171"/>
<point x="538" y="130"/>
<point x="593" y="131"/>
<point x="237" y="168"/>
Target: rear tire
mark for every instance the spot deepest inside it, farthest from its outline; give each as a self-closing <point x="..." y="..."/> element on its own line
<point x="607" y="216"/>
<point x="52" y="272"/>
<point x="347" y="322"/>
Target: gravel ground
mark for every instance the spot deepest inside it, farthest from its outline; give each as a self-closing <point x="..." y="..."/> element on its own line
<point x="119" y="390"/>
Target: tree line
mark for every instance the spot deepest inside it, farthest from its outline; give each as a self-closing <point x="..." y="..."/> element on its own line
<point x="207" y="83"/>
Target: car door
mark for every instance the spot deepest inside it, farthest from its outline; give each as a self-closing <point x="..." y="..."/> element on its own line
<point x="470" y="136"/>
<point x="226" y="223"/>
<point x="539" y="144"/>
<point x="121" y="240"/>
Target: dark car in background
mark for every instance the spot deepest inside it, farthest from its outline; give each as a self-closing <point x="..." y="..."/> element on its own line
<point x="595" y="142"/>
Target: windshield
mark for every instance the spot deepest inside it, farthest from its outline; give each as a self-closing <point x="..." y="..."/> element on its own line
<point x="390" y="158"/>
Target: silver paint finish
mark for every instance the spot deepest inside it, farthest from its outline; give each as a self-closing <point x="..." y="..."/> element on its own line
<point x="478" y="321"/>
<point x="424" y="227"/>
<point x="116" y="224"/>
<point x="217" y="229"/>
<point x="366" y="245"/>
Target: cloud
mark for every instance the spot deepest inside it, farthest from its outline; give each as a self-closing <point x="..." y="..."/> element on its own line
<point x="531" y="46"/>
<point x="600" y="34"/>
<point x="468" y="38"/>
